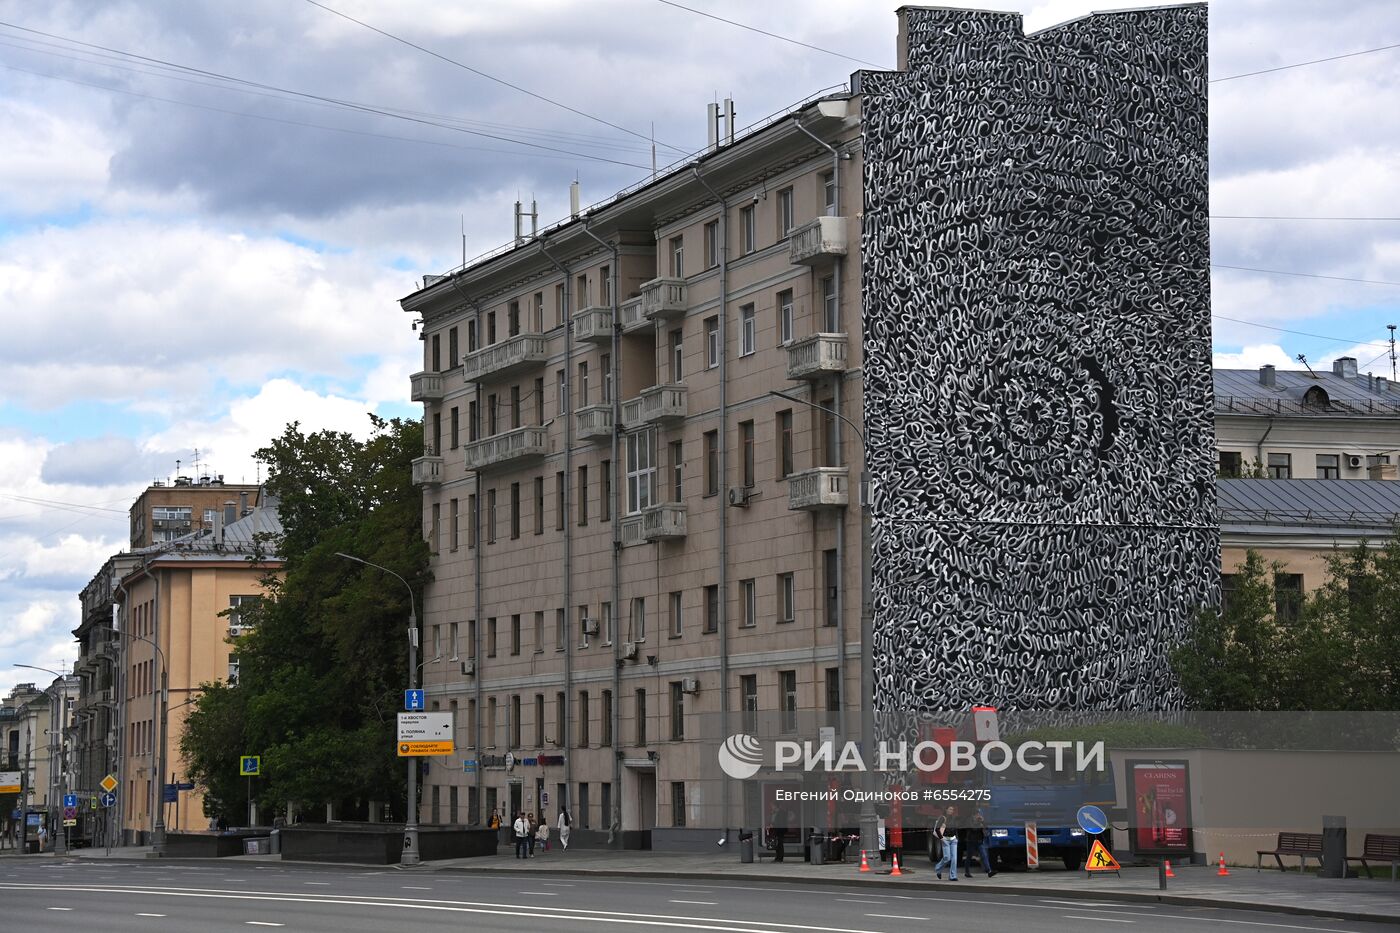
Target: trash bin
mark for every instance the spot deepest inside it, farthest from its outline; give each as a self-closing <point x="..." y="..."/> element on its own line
<point x="746" y="848"/>
<point x="816" y="849"/>
<point x="31" y="846"/>
<point x="274" y="843"/>
<point x="1334" y="847"/>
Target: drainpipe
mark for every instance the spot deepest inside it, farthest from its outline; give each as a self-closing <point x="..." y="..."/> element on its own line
<point x="568" y="415"/>
<point x="1259" y="448"/>
<point x="615" y="818"/>
<point x="723" y="472"/>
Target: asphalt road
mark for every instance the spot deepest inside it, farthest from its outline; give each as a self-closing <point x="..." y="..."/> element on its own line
<point x="51" y="896"/>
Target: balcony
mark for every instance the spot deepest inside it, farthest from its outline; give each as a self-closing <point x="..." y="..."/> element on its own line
<point x="512" y="355"/>
<point x="819" y="488"/>
<point x="822" y="239"/>
<point x="664" y="522"/>
<point x="816" y="356"/>
<point x="505" y="449"/>
<point x="594" y="325"/>
<point x="594" y="423"/>
<point x="631" y="314"/>
<point x="663" y="299"/>
<point x="427" y="470"/>
<point x="426" y="387"/>
<point x="662" y="404"/>
<point x="93" y="698"/>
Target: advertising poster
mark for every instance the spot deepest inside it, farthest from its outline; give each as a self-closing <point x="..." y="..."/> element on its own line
<point x="1159" y="806"/>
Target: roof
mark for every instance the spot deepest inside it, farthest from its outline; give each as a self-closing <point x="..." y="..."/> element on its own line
<point x="1239" y="391"/>
<point x="1334" y="503"/>
<point x="240" y="539"/>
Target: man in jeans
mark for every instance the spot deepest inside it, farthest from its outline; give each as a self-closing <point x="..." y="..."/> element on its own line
<point x="522" y="835"/>
<point x="945" y="829"/>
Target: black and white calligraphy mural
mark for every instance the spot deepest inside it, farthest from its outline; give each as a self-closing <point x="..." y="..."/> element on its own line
<point x="1037" y="358"/>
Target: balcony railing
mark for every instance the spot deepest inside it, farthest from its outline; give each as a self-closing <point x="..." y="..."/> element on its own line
<point x="663" y="299"/>
<point x="427" y="470"/>
<point x="630" y="311"/>
<point x="507" y="448"/>
<point x="816" y="356"/>
<point x="657" y="405"/>
<point x="594" y="422"/>
<point x="823" y="238"/>
<point x="426" y="387"/>
<point x="664" y="522"/>
<point x="819" y="488"/>
<point x="512" y="355"/>
<point x="594" y="325"/>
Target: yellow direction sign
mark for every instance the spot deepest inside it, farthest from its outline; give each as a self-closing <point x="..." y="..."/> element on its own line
<point x="419" y="749"/>
<point x="109" y="783"/>
<point x="9" y="782"/>
<point x="1100" y="859"/>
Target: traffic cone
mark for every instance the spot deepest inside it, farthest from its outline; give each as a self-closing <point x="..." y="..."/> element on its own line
<point x="864" y="865"/>
<point x="1223" y="872"/>
<point x="1170" y="873"/>
<point x="895" y="872"/>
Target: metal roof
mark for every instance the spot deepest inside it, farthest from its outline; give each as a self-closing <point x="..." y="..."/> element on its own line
<point x="1239" y="391"/>
<point x="1344" y="503"/>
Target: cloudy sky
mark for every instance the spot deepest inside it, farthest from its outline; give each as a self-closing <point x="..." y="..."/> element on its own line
<point x="209" y="209"/>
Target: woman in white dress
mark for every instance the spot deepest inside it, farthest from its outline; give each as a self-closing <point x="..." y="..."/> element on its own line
<point x="564" y="823"/>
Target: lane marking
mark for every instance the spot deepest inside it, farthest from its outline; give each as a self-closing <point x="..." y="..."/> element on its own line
<point x="58" y="908"/>
<point x="843" y="900"/>
<point x="324" y="883"/>
<point x="150" y="915"/>
<point x="262" y="923"/>
<point x="414" y="887"/>
<point x="897" y="917"/>
<point x="706" y="903"/>
<point x="555" y="884"/>
<point x="1100" y="919"/>
<point x="539" y="893"/>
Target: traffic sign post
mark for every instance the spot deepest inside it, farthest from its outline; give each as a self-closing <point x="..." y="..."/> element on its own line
<point x="413" y="700"/>
<point x="109" y="783"/>
<point x="70" y="800"/>
<point x="1092" y="819"/>
<point x="250" y="766"/>
<point x="107" y="799"/>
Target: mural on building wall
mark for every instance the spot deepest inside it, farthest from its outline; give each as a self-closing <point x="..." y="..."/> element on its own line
<point x="1037" y="358"/>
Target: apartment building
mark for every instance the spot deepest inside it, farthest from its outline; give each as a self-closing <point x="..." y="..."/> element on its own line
<point x="187" y="505"/>
<point x="35" y="740"/>
<point x="641" y="549"/>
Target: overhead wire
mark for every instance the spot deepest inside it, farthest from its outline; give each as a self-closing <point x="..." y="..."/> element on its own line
<point x="1301" y="333"/>
<point x="1306" y="275"/>
<point x="771" y="35"/>
<point x="1315" y="61"/>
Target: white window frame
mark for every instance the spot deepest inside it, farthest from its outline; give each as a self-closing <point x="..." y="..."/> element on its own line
<point x="831" y="308"/>
<point x="748" y="603"/>
<point x="785" y="317"/>
<point x="641" y="470"/>
<point x="786" y="215"/>
<point x="787" y="597"/>
<point x="712" y="348"/>
<point x="637" y="621"/>
<point x="746" y="230"/>
<point x="606" y="627"/>
<point x="747" y="330"/>
<point x="677" y="614"/>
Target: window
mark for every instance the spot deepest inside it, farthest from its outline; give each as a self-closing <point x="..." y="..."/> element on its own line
<point x="232" y="671"/>
<point x="1377" y="460"/>
<point x="678" y="803"/>
<point x="453" y="431"/>
<point x="747" y="335"/>
<point x="472" y="737"/>
<point x="605" y="286"/>
<point x="452" y="354"/>
<point x="787" y="597"/>
<point x="641" y="472"/>
<point x="746" y="230"/>
<point x="583" y="384"/>
<point x="785" y="214"/>
<point x="831" y="443"/>
<point x="582" y="804"/>
<point x="435" y="528"/>
<point x="514" y="510"/>
<point x="748" y="603"/>
<point x="560" y="624"/>
<point x="490" y="723"/>
<point x="473" y="420"/>
<point x="583" y="626"/>
<point x="539" y="401"/>
<point x="583" y="495"/>
<point x="787" y="694"/>
<point x="471" y="639"/>
<point x="785" y="317"/>
<point x="833" y="689"/>
<point x="711" y="463"/>
<point x="581" y="292"/>
<point x="641" y="723"/>
<point x="539" y="720"/>
<point x="784" y="426"/>
<point x="677" y="466"/>
<point x="491" y="638"/>
<point x="515" y="634"/>
<point x="452" y="641"/>
<point x="1288" y="596"/>
<point x="513" y="319"/>
<point x="559" y="501"/>
<point x="678" y="257"/>
<point x="559" y="304"/>
<point x="563" y="393"/>
<point x="437" y="353"/>
<point x="490" y="516"/>
<point x="711" y="609"/>
<point x="676" y="356"/>
<point x="237" y="605"/>
<point x="638" y="625"/>
<point x="677" y="712"/>
<point x="539" y="632"/>
<point x="746" y="450"/>
<point x="473" y="516"/>
<point x="748" y="699"/>
<point x="712" y="244"/>
<point x="712" y="342"/>
<point x="605" y="505"/>
<point x="1329" y="466"/>
<point x="452" y="521"/>
<point x="605" y="721"/>
<point x="831" y="309"/>
<point x="515" y="406"/>
<point x="560" y="721"/>
<point x="831" y="581"/>
<point x="492" y="416"/>
<point x="1280" y="466"/>
<point x="582" y="716"/>
<point x="539" y="505"/>
<point x="607" y="624"/>
<point x="829" y="193"/>
<point x="515" y="721"/>
<point x="436" y="447"/>
<point x="537" y="313"/>
<point x="472" y="343"/>
<point x="491" y="328"/>
<point x="605" y="366"/>
<point x="676" y="614"/>
<point x="1230" y="464"/>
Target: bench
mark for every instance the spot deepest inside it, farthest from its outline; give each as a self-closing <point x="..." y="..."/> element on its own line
<point x="1379" y="848"/>
<point x="1303" y="845"/>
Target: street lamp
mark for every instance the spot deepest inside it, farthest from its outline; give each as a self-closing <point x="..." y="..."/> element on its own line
<point x="410" y="827"/>
<point x="60" y="840"/>
<point x="869" y="821"/>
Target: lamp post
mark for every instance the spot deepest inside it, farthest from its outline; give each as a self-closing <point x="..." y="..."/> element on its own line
<point x="869" y="820"/>
<point x="160" y="702"/>
<point x="410" y="827"/>
<point x="60" y="841"/>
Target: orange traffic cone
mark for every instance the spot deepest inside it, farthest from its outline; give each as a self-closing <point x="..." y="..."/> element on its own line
<point x="895" y="872"/>
<point x="1170" y="873"/>
<point x="864" y="865"/>
<point x="1223" y="872"/>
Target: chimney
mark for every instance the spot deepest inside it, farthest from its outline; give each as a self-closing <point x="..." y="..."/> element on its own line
<point x="1266" y="376"/>
<point x="1384" y="471"/>
<point x="574" y="194"/>
<point x="242" y="504"/>
<point x="1344" y="366"/>
<point x="1382" y="384"/>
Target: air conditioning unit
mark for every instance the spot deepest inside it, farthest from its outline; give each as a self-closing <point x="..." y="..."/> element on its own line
<point x="1356" y="461"/>
<point x="468" y="668"/>
<point x="739" y="496"/>
<point x="235" y="631"/>
<point x="690" y="685"/>
<point x="629" y="650"/>
<point x="590" y="626"/>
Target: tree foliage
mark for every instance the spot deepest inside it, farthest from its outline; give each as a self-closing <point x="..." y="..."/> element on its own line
<point x="325" y="661"/>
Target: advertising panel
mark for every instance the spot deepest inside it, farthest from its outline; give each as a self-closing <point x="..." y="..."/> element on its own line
<point x="1159" y="807"/>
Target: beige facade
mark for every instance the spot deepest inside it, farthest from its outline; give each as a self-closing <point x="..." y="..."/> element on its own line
<point x="186" y="506"/>
<point x="598" y="597"/>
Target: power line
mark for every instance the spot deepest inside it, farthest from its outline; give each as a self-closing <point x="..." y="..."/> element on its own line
<point x="490" y="77"/>
<point x="771" y="35"/>
<point x="1306" y="275"/>
<point x="1315" y="61"/>
<point x="1301" y="333"/>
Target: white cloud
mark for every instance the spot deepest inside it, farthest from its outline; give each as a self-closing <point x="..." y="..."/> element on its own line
<point x="54" y="164"/>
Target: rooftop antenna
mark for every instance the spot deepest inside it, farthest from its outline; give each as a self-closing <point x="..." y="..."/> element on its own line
<point x="534" y="218"/>
<point x="518" y="238"/>
<point x="653" y="153"/>
<point x="464" y="241"/>
<point x="1391" y="328"/>
<point x="574" y="197"/>
<point x="1304" y="360"/>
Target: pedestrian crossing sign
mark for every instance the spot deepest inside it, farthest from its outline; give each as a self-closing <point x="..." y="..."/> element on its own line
<point x="1100" y="859"/>
<point x="249" y="766"/>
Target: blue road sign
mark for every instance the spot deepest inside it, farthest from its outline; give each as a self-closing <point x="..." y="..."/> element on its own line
<point x="412" y="699"/>
<point x="70" y="800"/>
<point x="1092" y="819"/>
<point x="170" y="794"/>
<point x="469" y="765"/>
<point x="107" y="799"/>
<point x="249" y="766"/>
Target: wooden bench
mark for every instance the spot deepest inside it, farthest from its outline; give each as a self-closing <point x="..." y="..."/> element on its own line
<point x="1303" y="845"/>
<point x="1379" y="848"/>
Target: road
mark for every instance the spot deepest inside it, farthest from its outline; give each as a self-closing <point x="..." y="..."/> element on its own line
<point x="53" y="896"/>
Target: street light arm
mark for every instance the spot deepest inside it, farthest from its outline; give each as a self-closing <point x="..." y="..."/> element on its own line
<point x="412" y="602"/>
<point x="851" y="424"/>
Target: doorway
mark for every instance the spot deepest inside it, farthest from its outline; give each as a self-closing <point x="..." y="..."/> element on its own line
<point x="646" y="800"/>
<point x="516" y="804"/>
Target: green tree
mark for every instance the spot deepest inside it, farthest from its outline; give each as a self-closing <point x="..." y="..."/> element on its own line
<point x="1350" y="648"/>
<point x="325" y="660"/>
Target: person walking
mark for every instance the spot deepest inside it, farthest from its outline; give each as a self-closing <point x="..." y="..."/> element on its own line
<point x="945" y="830"/>
<point x="542" y="832"/>
<point x="531" y="823"/>
<point x="976" y="841"/>
<point x="777" y="833"/>
<point x="565" y="827"/>
<point x="522" y="835"/>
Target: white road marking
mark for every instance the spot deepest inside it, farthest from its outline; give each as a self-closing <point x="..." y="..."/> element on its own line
<point x="555" y="884"/>
<point x="706" y="903"/>
<point x="262" y="923"/>
<point x="59" y="908"/>
<point x="847" y="900"/>
<point x="540" y="893"/>
<point x="414" y="887"/>
<point x="326" y="883"/>
<point x="1088" y="904"/>
<point x="1101" y="919"/>
<point x="897" y="917"/>
<point x="150" y="915"/>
